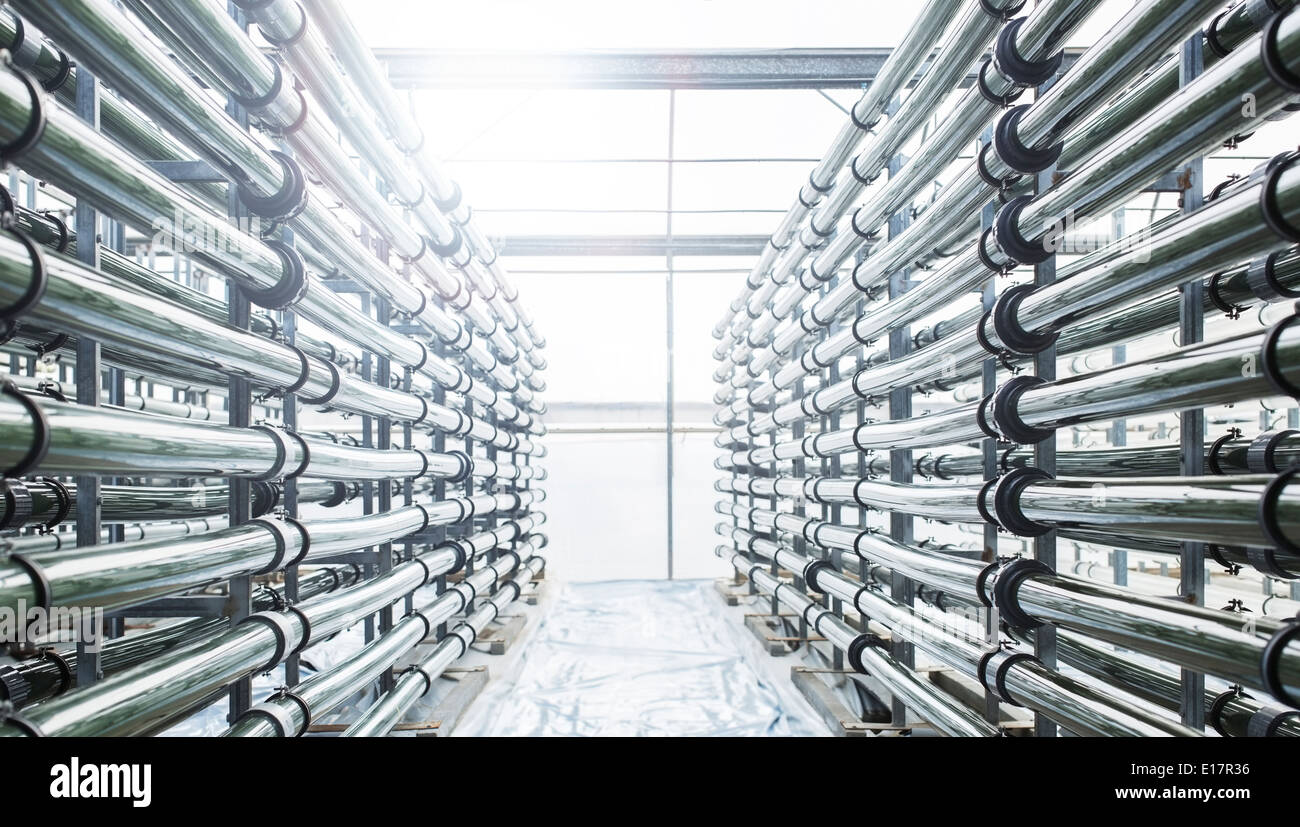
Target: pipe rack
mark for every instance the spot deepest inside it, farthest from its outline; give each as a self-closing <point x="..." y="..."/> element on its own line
<point x="934" y="344"/>
<point x="183" y="420"/>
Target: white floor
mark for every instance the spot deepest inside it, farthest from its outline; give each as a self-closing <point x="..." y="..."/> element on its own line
<point x="639" y="657"/>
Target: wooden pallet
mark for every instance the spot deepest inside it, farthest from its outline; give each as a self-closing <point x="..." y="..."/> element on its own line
<point x="770" y="631"/>
<point x="499" y="636"/>
<point x="531" y="593"/>
<point x="971" y="694"/>
<point x="458" y="688"/>
<point x="838" y="718"/>
<point x="731" y="590"/>
<point x="735" y="589"/>
<point x="467" y="684"/>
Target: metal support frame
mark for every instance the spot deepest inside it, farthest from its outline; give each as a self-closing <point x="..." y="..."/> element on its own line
<point x="369" y="554"/>
<point x="1191" y="433"/>
<point x="668" y="312"/>
<point x="490" y="520"/>
<point x="649" y="246"/>
<point x="901" y="525"/>
<point x="289" y="324"/>
<point x="1118" y="427"/>
<point x="699" y="69"/>
<point x="989" y="445"/>
<point x="469" y="527"/>
<point x="799" y="469"/>
<point x="1045" y="458"/>
<point x="774" y="605"/>
<point x="383" y="375"/>
<point x="439" y="444"/>
<point x="87" y="374"/>
<point x="831" y="467"/>
<point x="408" y="485"/>
<point x="232" y="599"/>
<point x="827" y="68"/>
<point x="239" y="404"/>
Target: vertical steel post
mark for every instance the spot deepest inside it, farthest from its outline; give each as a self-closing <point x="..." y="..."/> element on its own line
<point x="289" y="324"/>
<point x="1191" y="433"/>
<point x="799" y="467"/>
<point x="490" y="520"/>
<point x="1045" y="458"/>
<point x="239" y="404"/>
<point x="408" y="485"/>
<point x="859" y="416"/>
<point x="368" y="441"/>
<point x="439" y="483"/>
<point x="383" y="375"/>
<point x="989" y="445"/>
<point x="116" y="232"/>
<point x="467" y="527"/>
<point x="240" y="508"/>
<point x="87" y="370"/>
<point x="1118" y="427"/>
<point x="668" y="303"/>
<point x="901" y="525"/>
<point x="832" y="514"/>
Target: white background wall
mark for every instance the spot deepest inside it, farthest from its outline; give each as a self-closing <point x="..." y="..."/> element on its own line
<point x="606" y="507"/>
<point x="607" y="495"/>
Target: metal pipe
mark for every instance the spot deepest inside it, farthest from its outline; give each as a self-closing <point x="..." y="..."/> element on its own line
<point x="1229" y="712"/>
<point x="127" y="574"/>
<point x="1222" y="510"/>
<point x="365" y="83"/>
<point x="1214" y="237"/>
<point x="1210" y="641"/>
<point x="222" y="46"/>
<point x="964" y="46"/>
<point x="114" y="442"/>
<point x="52" y="502"/>
<point x="418" y="680"/>
<point x="287" y="24"/>
<point x="901" y="66"/>
<point x="1113" y="59"/>
<point x="54" y="671"/>
<point x="146" y="698"/>
<point x="1207" y="373"/>
<point x="281" y="716"/>
<point x="950" y="640"/>
<point x="86" y="164"/>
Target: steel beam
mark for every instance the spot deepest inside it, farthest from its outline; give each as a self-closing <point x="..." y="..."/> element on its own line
<point x="657" y="246"/>
<point x="742" y="69"/>
<point x="697" y="69"/>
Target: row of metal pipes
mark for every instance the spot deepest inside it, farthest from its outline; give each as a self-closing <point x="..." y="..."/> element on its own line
<point x="359" y="287"/>
<point x="900" y="275"/>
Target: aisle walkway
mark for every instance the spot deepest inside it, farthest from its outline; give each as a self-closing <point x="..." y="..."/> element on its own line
<point x="640" y="657"/>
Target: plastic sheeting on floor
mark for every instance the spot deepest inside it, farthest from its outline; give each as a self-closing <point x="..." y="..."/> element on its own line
<point x="640" y="657"/>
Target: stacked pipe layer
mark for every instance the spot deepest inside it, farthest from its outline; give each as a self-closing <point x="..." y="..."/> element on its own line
<point x="267" y="378"/>
<point x="950" y="369"/>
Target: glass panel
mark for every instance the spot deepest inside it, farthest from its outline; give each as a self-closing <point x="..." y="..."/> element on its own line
<point x="693" y="516"/>
<point x="759" y="123"/>
<point x="605" y="506"/>
<point x="604" y="337"/>
<point x="697" y="299"/>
